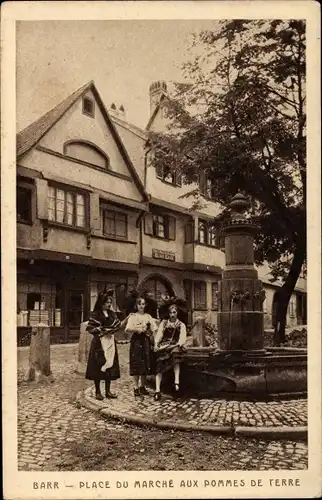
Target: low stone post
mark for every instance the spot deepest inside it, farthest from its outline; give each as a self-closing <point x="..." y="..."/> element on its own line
<point x="85" y="339"/>
<point x="39" y="355"/>
<point x="198" y="331"/>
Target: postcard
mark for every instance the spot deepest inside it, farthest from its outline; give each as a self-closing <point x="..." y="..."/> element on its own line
<point x="161" y="255"/>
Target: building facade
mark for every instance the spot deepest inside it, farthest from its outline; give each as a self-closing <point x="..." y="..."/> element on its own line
<point x="92" y="212"/>
<point x="79" y="205"/>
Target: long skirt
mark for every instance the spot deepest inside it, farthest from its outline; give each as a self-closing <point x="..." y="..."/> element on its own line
<point x="166" y="358"/>
<point x="141" y="355"/>
<point x="96" y="360"/>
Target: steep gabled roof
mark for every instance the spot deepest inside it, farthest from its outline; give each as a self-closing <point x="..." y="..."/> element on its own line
<point x="29" y="137"/>
<point x="130" y="127"/>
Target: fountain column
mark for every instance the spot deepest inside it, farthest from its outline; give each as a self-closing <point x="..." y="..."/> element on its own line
<point x="241" y="294"/>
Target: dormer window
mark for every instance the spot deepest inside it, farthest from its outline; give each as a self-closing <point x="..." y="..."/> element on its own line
<point x="166" y="174"/>
<point x="207" y="186"/>
<point x="88" y="106"/>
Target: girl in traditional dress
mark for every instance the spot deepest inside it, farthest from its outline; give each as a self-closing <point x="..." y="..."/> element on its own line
<point x="170" y="337"/>
<point x="103" y="362"/>
<point x="142" y="327"/>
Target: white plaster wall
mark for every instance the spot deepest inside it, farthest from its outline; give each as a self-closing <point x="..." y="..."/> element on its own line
<point x="76" y="125"/>
<point x="69" y="172"/>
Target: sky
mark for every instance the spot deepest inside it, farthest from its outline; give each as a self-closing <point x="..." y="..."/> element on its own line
<point x="55" y="58"/>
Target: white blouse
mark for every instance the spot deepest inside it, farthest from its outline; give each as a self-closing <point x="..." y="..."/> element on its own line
<point x="137" y="323"/>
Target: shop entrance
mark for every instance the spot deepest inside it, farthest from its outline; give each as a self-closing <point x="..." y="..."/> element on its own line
<point x="157" y="286"/>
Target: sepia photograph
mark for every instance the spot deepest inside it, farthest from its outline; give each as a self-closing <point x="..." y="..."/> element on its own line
<point x="161" y="194"/>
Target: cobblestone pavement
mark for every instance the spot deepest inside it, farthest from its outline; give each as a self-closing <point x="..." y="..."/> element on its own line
<point x="218" y="412"/>
<point x="49" y="419"/>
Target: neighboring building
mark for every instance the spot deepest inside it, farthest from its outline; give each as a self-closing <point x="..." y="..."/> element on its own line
<point x="93" y="212"/>
<point x="79" y="204"/>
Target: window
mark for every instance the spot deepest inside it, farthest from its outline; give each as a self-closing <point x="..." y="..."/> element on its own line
<point x="160" y="226"/>
<point x="114" y="224"/>
<point x="208" y="234"/>
<point x="24" y="205"/>
<point x="210" y="189"/>
<point x="214" y="295"/>
<point x="187" y="285"/>
<point x="189" y="232"/>
<point x="291" y="309"/>
<point x="207" y="186"/>
<point x="88" y="106"/>
<point x="203" y="233"/>
<point x="66" y="207"/>
<point x="167" y="174"/>
<point x="200" y="294"/>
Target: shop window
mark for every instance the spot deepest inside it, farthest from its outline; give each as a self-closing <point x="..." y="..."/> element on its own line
<point x="214" y="295"/>
<point x="121" y="290"/>
<point x="66" y="207"/>
<point x="160" y="226"/>
<point x="37" y="303"/>
<point x="33" y="300"/>
<point x="24" y="205"/>
<point x="115" y="224"/>
<point x="200" y="295"/>
<point x="88" y="106"/>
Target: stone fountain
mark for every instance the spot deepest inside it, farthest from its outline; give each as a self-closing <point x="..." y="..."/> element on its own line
<point x="241" y="366"/>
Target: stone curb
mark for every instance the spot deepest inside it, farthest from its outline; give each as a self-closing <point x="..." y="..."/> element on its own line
<point x="273" y="433"/>
<point x="285" y="432"/>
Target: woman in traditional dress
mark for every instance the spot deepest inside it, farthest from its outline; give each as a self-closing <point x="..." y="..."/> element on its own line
<point x="103" y="362"/>
<point x="142" y="327"/>
<point x="170" y="338"/>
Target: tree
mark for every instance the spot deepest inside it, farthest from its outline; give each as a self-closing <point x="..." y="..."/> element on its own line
<point x="240" y="125"/>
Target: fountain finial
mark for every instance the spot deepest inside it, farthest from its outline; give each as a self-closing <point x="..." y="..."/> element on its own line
<point x="239" y="205"/>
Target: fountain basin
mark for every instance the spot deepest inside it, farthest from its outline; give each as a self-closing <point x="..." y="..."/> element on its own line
<point x="259" y="375"/>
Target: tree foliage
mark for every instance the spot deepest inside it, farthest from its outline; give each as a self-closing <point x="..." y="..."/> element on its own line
<point x="241" y="123"/>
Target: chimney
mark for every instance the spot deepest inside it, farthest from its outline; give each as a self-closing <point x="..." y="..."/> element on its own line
<point x="122" y="112"/>
<point x="157" y="90"/>
<point x="118" y="113"/>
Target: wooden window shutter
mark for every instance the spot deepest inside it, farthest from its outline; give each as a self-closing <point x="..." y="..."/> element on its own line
<point x="148" y="224"/>
<point x="203" y="182"/>
<point x="214" y="295"/>
<point x="159" y="171"/>
<point x="189" y="232"/>
<point x="178" y="178"/>
<point x="221" y="240"/>
<point x="42" y="198"/>
<point x="172" y="228"/>
<point x="95" y="216"/>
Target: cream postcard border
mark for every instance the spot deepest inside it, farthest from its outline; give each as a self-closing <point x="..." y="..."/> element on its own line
<point x="19" y="484"/>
